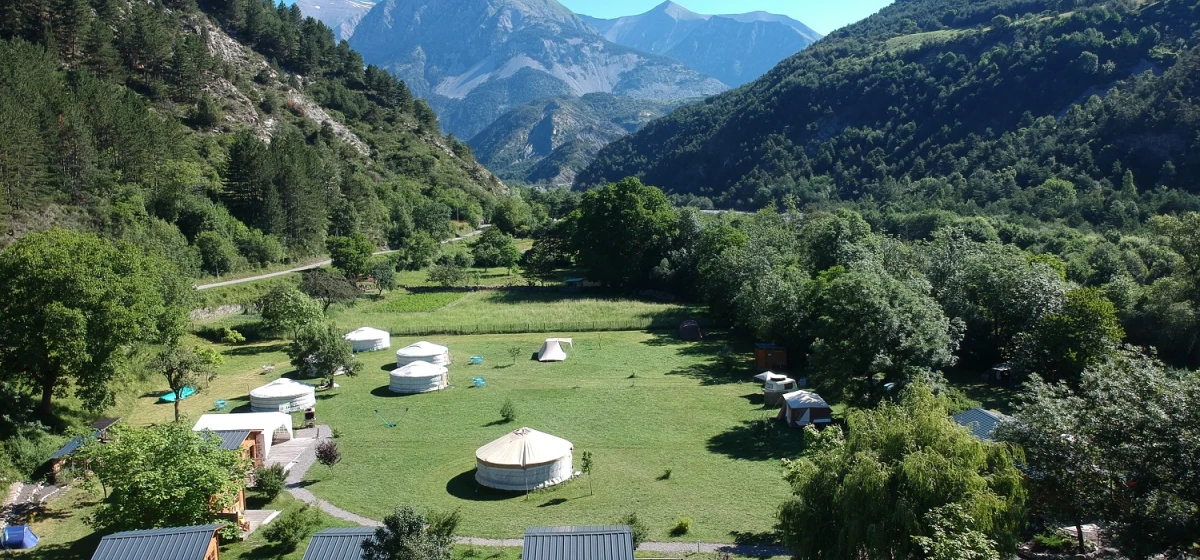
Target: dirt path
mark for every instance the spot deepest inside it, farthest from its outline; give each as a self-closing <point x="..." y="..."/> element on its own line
<point x="295" y="487"/>
<point x="312" y="266"/>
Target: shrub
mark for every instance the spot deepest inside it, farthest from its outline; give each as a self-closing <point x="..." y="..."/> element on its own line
<point x="231" y="336"/>
<point x="666" y="475"/>
<point x="682" y="527"/>
<point x="293" y="527"/>
<point x="637" y="527"/>
<point x="508" y="411"/>
<point x="328" y="453"/>
<point x="269" y="480"/>
<point x="1053" y="540"/>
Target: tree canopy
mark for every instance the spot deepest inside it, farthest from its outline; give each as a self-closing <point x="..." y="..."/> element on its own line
<point x="622" y="230"/>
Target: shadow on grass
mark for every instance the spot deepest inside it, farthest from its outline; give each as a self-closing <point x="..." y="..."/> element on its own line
<point x="552" y="502"/>
<point x="269" y="550"/>
<point x="384" y="391"/>
<point x="464" y="487"/>
<point x="505" y="366"/>
<point x="758" y="440"/>
<point x="755" y="398"/>
<point x="761" y="538"/>
<point x="256" y="350"/>
<point x="499" y="422"/>
<point x="389" y="367"/>
<point x="81" y="549"/>
<point x="326" y="396"/>
<point x="714" y="373"/>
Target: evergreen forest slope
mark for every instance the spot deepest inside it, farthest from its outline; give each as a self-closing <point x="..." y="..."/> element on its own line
<point x="953" y="104"/>
<point x="228" y="135"/>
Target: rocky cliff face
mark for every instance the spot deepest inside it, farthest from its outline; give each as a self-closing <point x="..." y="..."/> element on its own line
<point x="342" y="16"/>
<point x="734" y="48"/>
<point x="476" y="59"/>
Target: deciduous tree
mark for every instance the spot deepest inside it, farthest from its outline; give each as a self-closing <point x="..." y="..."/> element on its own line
<point x="184" y="366"/>
<point x="286" y="309"/>
<point x="408" y="535"/>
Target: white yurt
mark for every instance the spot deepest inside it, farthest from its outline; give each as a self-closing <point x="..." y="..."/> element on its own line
<point x="423" y="351"/>
<point x="552" y="350"/>
<point x="418" y="377"/>
<point x="283" y="395"/>
<point x="368" y="339"/>
<point x="524" y="460"/>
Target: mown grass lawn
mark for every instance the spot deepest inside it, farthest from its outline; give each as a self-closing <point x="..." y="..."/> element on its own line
<point x="641" y="402"/>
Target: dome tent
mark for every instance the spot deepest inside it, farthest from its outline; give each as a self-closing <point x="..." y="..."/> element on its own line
<point x="368" y="339"/>
<point x="524" y="460"/>
<point x="283" y="395"/>
<point x="423" y="351"/>
<point x="552" y="351"/>
<point x="418" y="377"/>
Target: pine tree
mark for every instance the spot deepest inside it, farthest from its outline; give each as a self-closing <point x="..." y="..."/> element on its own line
<point x="102" y="57"/>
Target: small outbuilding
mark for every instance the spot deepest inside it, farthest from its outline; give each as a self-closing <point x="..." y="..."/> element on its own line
<point x="368" y="339"/>
<point x="690" y="330"/>
<point x="981" y="423"/>
<point x="552" y="350"/>
<point x="423" y="351"/>
<point x="523" y="460"/>
<point x="283" y="395"/>
<point x="17" y="537"/>
<point x="770" y="356"/>
<point x="418" y="377"/>
<point x="338" y="544"/>
<point x="174" y="543"/>
<point x="272" y="427"/>
<point x="801" y="408"/>
<point x="99" y="432"/>
<point x="612" y="542"/>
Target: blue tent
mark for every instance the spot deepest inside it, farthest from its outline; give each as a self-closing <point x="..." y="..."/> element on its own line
<point x="170" y="396"/>
<point x="18" y="536"/>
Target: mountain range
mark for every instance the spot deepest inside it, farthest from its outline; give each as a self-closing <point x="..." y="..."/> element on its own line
<point x="733" y="48"/>
<point x="342" y="16"/>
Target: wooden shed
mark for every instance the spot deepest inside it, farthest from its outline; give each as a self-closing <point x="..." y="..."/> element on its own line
<point x="770" y="356"/>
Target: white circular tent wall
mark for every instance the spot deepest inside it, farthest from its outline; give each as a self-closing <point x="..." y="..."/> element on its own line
<point x="425" y="352"/>
<point x="283" y="395"/>
<point x="368" y="339"/>
<point x="418" y="377"/>
<point x="524" y="460"/>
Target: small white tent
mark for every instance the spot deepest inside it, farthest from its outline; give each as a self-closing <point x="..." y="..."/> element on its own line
<point x="368" y="339"/>
<point x="283" y="395"/>
<point x="275" y="426"/>
<point x="801" y="408"/>
<point x="418" y="377"/>
<point x="552" y="350"/>
<point x="523" y="460"/>
<point x="423" y="351"/>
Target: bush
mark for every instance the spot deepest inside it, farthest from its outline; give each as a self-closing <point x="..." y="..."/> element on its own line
<point x="328" y="453"/>
<point x="293" y="527"/>
<point x="666" y="475"/>
<point x="682" y="527"/>
<point x="637" y="527"/>
<point x="508" y="411"/>
<point x="269" y="480"/>
<point x="1053" y="540"/>
<point x="231" y="336"/>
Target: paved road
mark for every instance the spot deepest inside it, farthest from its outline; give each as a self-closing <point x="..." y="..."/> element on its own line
<point x="295" y="487"/>
<point x="313" y="265"/>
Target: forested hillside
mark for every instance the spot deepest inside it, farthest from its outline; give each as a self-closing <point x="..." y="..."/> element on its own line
<point x="961" y="105"/>
<point x="226" y="134"/>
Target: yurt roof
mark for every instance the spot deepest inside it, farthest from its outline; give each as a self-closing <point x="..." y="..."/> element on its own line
<point x="282" y="387"/>
<point x="524" y="447"/>
<point x="366" y="333"/>
<point x="769" y="376"/>
<point x="419" y="369"/>
<point x="422" y="348"/>
<point x="804" y="399"/>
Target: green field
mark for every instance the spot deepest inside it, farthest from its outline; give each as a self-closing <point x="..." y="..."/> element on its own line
<point x="681" y="412"/>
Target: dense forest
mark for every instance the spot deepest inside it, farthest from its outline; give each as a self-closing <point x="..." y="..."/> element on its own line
<point x="227" y="135"/>
<point x="956" y="105"/>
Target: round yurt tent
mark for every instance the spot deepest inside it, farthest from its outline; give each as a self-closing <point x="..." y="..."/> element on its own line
<point x="424" y="352"/>
<point x="368" y="339"/>
<point x="283" y="395"/>
<point x="418" y="377"/>
<point x="524" y="460"/>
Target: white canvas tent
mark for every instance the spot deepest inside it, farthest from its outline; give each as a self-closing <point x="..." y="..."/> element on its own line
<point x="283" y="395"/>
<point x="523" y="460"/>
<point x="368" y="339"/>
<point x="418" y="377"/>
<point x="435" y="354"/>
<point x="275" y="426"/>
<point x="766" y="376"/>
<point x="801" y="408"/>
<point x="552" y="350"/>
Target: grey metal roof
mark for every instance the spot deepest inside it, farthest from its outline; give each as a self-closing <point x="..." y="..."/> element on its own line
<point x="338" y="544"/>
<point x="68" y="448"/>
<point x="980" y="422"/>
<point x="230" y="439"/>
<point x="605" y="542"/>
<point x="168" y="543"/>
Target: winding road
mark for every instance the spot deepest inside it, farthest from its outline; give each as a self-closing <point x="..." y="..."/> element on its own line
<point x="311" y="266"/>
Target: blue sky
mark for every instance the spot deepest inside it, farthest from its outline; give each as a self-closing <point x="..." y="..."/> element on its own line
<point x="821" y="15"/>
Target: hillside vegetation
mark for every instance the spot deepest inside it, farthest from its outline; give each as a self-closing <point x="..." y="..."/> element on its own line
<point x="965" y="106"/>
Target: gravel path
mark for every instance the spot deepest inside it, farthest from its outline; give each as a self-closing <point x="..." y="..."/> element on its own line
<point x="311" y="266"/>
<point x="295" y="487"/>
